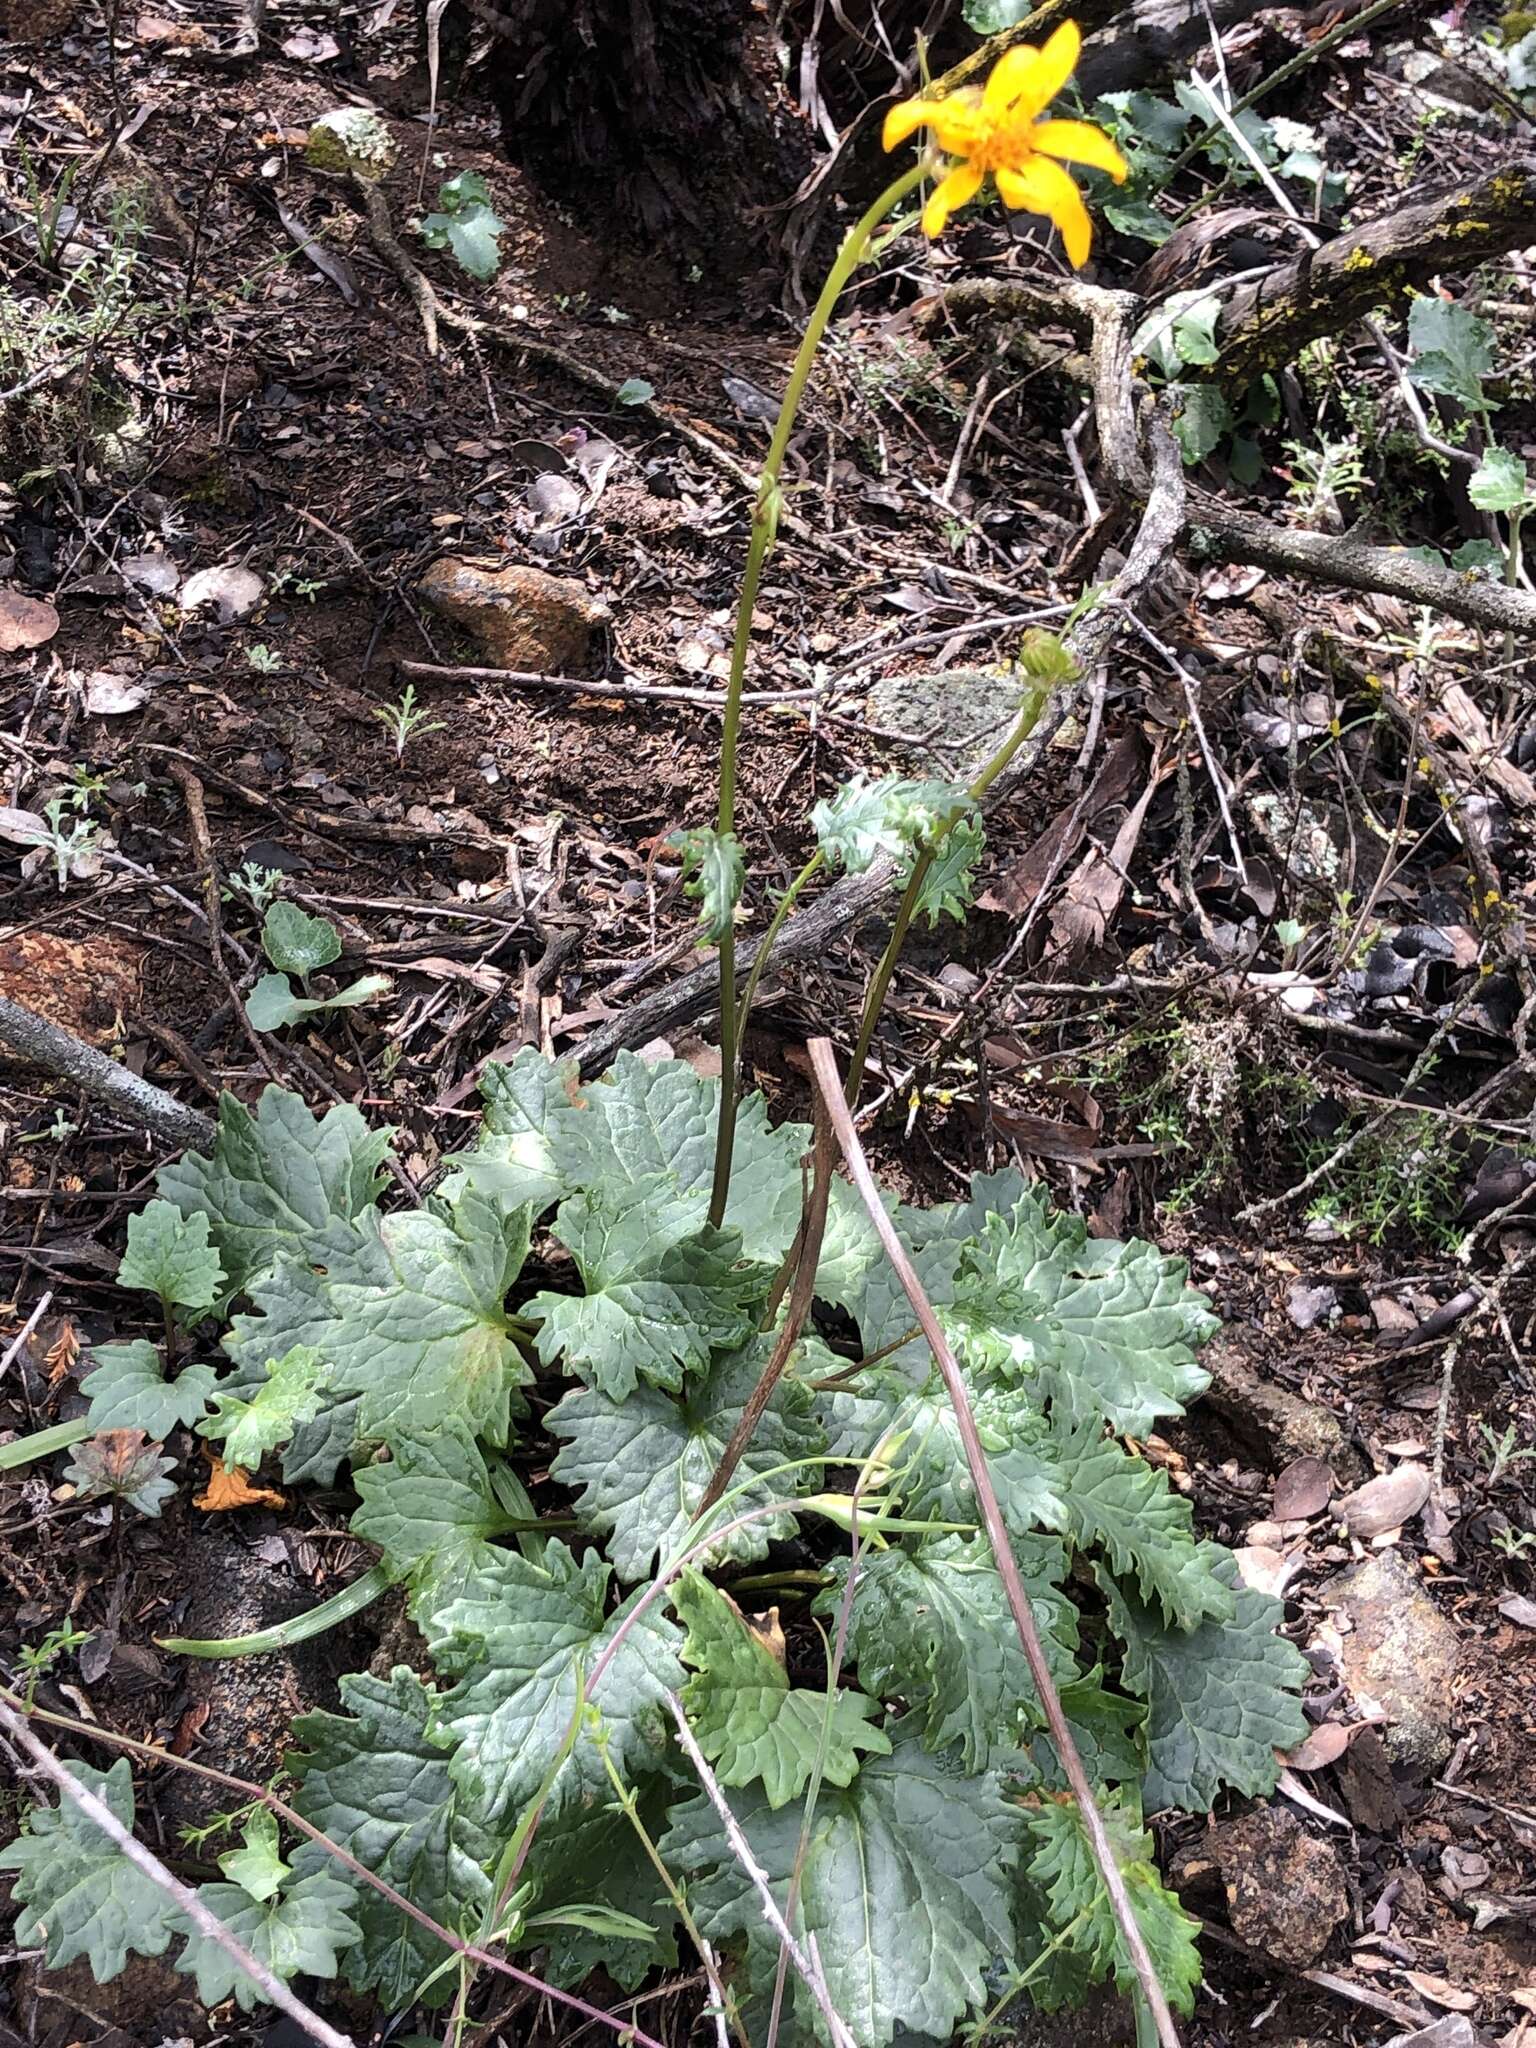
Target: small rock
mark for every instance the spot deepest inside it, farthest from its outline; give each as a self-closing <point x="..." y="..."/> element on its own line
<point x="520" y="618"/>
<point x="1285" y="1888"/>
<point x="351" y="139"/>
<point x="970" y="709"/>
<point x="1400" y="1654"/>
<point x="1517" y="1608"/>
<point x="1308" y="1305"/>
<point x="1385" y="1503"/>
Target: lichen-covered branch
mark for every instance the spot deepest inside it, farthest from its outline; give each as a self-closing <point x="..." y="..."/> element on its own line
<point x="1324" y="290"/>
<point x="137" y="1101"/>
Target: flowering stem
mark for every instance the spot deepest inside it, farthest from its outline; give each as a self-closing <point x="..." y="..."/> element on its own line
<point x="765" y="518"/>
<point x="787" y="903"/>
<point x="874" y="1001"/>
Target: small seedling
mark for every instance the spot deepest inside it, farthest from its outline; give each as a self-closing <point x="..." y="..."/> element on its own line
<point x="1503" y="1451"/>
<point x="466" y="223"/>
<point x="254" y="884"/>
<point x="263" y="660"/>
<point x="35" y="1661"/>
<point x="404" y="720"/>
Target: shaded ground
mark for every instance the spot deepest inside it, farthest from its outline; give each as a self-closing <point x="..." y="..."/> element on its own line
<point x="284" y="429"/>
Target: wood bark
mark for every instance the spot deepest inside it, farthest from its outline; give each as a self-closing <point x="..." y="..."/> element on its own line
<point x="1325" y="290"/>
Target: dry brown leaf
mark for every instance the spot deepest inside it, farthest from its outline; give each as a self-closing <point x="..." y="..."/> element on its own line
<point x="1440" y="1992"/>
<point x="1385" y="1503"/>
<point x="25" y="621"/>
<point x="229" y="1488"/>
<point x="62" y="1352"/>
<point x="1325" y="1745"/>
<point x="1303" y="1490"/>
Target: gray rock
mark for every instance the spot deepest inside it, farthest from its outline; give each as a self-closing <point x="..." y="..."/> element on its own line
<point x="973" y="707"/>
<point x="1271" y="1422"/>
<point x="1308" y="1305"/>
<point x="1400" y="1653"/>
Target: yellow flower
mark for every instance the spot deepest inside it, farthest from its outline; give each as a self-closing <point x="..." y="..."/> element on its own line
<point x="997" y="128"/>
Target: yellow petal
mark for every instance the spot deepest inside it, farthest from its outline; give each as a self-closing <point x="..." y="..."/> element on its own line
<point x="1012" y="78"/>
<point x="956" y="190"/>
<point x="1058" y="61"/>
<point x="904" y="117"/>
<point x="1079" y="142"/>
<point x="1044" y="187"/>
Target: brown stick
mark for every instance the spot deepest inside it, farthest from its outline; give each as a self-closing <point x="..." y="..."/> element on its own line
<point x="829" y="1085"/>
<point x="806" y="1254"/>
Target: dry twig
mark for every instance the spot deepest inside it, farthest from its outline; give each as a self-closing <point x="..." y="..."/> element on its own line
<point x="830" y="1087"/>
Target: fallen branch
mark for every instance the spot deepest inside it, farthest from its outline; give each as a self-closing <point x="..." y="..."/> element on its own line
<point x="1107" y="321"/>
<point x="209" y="1925"/>
<point x="1324" y="290"/>
<point x="1217" y="534"/>
<point x="810" y="932"/>
<point x="137" y="1100"/>
<point x="577" y="686"/>
<point x="829" y="1086"/>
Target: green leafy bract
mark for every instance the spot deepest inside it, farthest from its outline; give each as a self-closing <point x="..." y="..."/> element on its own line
<point x="906" y="1886"/>
<point x="662" y="1291"/>
<point x="749" y="1720"/>
<point x="640" y="1466"/>
<point x="290" y="1394"/>
<point x="79" y="1894"/>
<point x="948" y="887"/>
<point x="1221" y="1699"/>
<point x="713" y="871"/>
<point x="128" y="1390"/>
<point x="893" y="818"/>
<point x="517" y="1638"/>
<point x="277" y="1180"/>
<point x="1061" y="1866"/>
<point x="169" y="1255"/>
<point x="376" y="1781"/>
